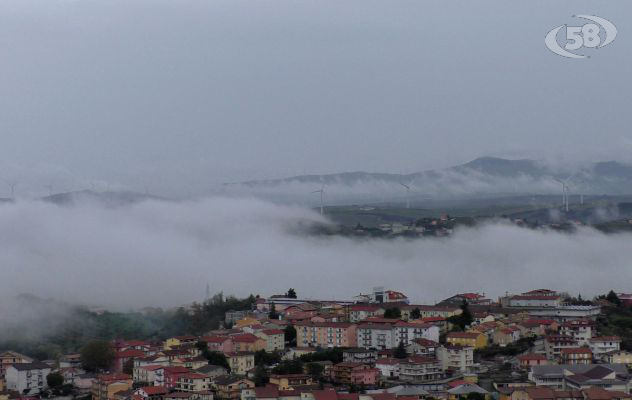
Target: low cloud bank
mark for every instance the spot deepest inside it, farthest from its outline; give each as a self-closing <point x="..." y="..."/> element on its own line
<point x="163" y="254"/>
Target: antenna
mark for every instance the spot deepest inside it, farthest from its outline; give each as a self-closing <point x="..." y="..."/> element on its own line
<point x="407" y="194"/>
<point x="12" y="186"/>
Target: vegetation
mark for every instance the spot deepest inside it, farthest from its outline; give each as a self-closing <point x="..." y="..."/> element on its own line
<point x="290" y="335"/>
<point x="287" y="367"/>
<point x="522" y="345"/>
<point x="334" y="355"/>
<point x="462" y="320"/>
<point x="400" y="351"/>
<point x="415" y="314"/>
<point x="393" y="312"/>
<point x="213" y="357"/>
<point x="291" y="293"/>
<point x="263" y="357"/>
<point x="616" y="320"/>
<point x="54" y="380"/>
<point x="97" y="355"/>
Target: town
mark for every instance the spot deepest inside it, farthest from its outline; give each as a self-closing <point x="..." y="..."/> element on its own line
<point x="537" y="345"/>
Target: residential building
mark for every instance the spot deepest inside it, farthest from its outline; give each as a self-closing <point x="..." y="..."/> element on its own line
<point x="275" y="339"/>
<point x="506" y="335"/>
<point x="326" y="334"/>
<point x="291" y="381"/>
<point x="532" y="359"/>
<point x="27" y="378"/>
<point x="106" y="386"/>
<point x="566" y="313"/>
<point x="574" y="377"/>
<point x="360" y="355"/>
<point x="604" y="344"/>
<point x="354" y="373"/>
<point x="193" y="382"/>
<point x="240" y="363"/>
<point x="423" y="347"/>
<point x="418" y="369"/>
<point x="11" y="357"/>
<point x="229" y="387"/>
<point x="457" y="358"/>
<point x="553" y="345"/>
<point x="248" y="342"/>
<point x="576" y="355"/>
<point x="470" y="339"/>
<point x="579" y="329"/>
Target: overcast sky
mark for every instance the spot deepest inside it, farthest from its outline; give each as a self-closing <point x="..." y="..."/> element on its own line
<point x="177" y="96"/>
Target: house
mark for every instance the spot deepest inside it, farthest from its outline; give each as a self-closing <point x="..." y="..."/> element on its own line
<point x="538" y="327"/>
<point x="464" y="389"/>
<point x="291" y="381"/>
<point x="168" y="376"/>
<point x="229" y="387"/>
<point x="506" y="335"/>
<point x="223" y="344"/>
<point x="579" y="329"/>
<point x="360" y="355"/>
<point x="193" y="382"/>
<point x="240" y="363"/>
<point x="248" y="342"/>
<point x="576" y="355"/>
<point x="388" y="367"/>
<point x="27" y="378"/>
<point x="545" y="393"/>
<point x="212" y="371"/>
<point x="473" y="339"/>
<point x="618" y="357"/>
<point x="375" y="336"/>
<point x="455" y="357"/>
<point x="106" y="386"/>
<point x="439" y="311"/>
<point x="575" y="377"/>
<point x="527" y="300"/>
<point x="532" y="359"/>
<point x="417" y="369"/>
<point x="326" y="334"/>
<point x="360" y="312"/>
<point x="70" y="361"/>
<point x="553" y="345"/>
<point x="274" y="339"/>
<point x="11" y="357"/>
<point x="152" y="392"/>
<point x="354" y="373"/>
<point x="422" y="347"/>
<point x="406" y="332"/>
<point x="146" y="374"/>
<point x="604" y="344"/>
<point x="177" y="341"/>
<point x="126" y="356"/>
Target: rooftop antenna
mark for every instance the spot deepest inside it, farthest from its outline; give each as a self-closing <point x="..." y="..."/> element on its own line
<point x="407" y="194"/>
<point x="322" y="192"/>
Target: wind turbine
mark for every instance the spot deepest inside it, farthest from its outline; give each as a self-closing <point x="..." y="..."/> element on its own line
<point x="407" y="194"/>
<point x="564" y="193"/>
<point x="12" y="186"/>
<point x="322" y="192"/>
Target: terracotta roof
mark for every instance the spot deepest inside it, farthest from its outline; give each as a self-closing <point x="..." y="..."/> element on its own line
<point x="532" y="356"/>
<point x="273" y="332"/>
<point x="605" y="339"/>
<point x="153" y="390"/>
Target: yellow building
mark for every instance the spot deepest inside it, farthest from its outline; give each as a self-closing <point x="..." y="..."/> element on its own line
<point x="325" y="334"/>
<point x="106" y="386"/>
<point x="240" y="363"/>
<point x="288" y="382"/>
<point x="246" y="321"/>
<point x="471" y="339"/>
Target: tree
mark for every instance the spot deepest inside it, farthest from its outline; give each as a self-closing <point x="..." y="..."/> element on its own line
<point x="613" y="298"/>
<point x="128" y="367"/>
<point x="288" y="367"/>
<point x="216" y="358"/>
<point x="415" y="314"/>
<point x="393" y="313"/>
<point x="466" y="315"/>
<point x="273" y="314"/>
<point x="290" y="335"/>
<point x="400" y="351"/>
<point x="54" y="380"/>
<point x="315" y="370"/>
<point x="97" y="355"/>
<point x="261" y="375"/>
<point x="291" y="293"/>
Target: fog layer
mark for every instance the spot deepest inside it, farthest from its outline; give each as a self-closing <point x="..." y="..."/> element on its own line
<point x="163" y="254"/>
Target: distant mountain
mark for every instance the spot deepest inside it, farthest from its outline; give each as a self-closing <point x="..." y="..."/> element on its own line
<point x="109" y="199"/>
<point x="480" y="177"/>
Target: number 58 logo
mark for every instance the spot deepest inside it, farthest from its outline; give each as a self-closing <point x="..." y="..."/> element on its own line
<point x="590" y="36"/>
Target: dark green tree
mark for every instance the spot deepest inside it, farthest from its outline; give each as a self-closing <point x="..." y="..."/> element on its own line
<point x="273" y="314"/>
<point x="216" y="358"/>
<point x="393" y="313"/>
<point x="291" y="294"/>
<point x="97" y="355"/>
<point x="316" y="371"/>
<point x="400" y="351"/>
<point x="415" y="313"/>
<point x="261" y="375"/>
<point x="613" y="298"/>
<point x="54" y="380"/>
<point x="290" y="335"/>
<point x="128" y="367"/>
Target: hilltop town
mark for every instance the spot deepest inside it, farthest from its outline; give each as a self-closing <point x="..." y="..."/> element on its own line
<point x="536" y="345"/>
